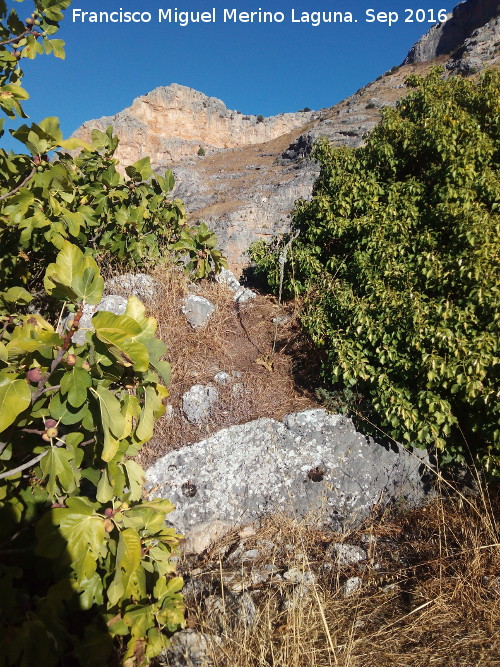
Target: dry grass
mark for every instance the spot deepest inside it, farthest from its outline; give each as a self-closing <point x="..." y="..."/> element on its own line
<point x="238" y="339"/>
<point x="430" y="594"/>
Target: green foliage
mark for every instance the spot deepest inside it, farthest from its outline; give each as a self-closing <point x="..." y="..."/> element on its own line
<point x="260" y="118"/>
<point x="201" y="151"/>
<point x="50" y="195"/>
<point x="118" y="219"/>
<point x="71" y="416"/>
<point x="86" y="561"/>
<point x="397" y="258"/>
<point x="199" y="246"/>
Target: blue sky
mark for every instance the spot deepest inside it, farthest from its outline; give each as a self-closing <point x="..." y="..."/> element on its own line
<point x="255" y="68"/>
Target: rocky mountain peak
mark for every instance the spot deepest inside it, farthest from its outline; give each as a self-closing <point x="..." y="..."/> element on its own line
<point x="172" y="122"/>
<point x="255" y="168"/>
<point x="471" y="18"/>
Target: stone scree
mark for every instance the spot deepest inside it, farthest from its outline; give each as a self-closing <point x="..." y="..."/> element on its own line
<point x="313" y="463"/>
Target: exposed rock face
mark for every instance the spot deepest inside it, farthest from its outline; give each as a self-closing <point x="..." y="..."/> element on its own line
<point x="312" y="464"/>
<point x="246" y="185"/>
<point x="445" y="37"/>
<point x="171" y="122"/>
<point x="480" y="50"/>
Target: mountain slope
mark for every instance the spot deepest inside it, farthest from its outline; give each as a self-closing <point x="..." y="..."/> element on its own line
<point x="255" y="169"/>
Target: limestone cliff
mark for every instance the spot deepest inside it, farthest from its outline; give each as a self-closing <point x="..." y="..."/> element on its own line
<point x="171" y="122"/>
<point x="254" y="170"/>
<point x="445" y="38"/>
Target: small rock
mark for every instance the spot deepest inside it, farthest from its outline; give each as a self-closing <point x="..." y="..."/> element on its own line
<point x="197" y="310"/>
<point x="236" y="582"/>
<point x="346" y="554"/>
<point x="189" y="648"/>
<point x="298" y="596"/>
<point x="280" y="320"/>
<point x="202" y="535"/>
<point x="246" y="610"/>
<point x="247" y="531"/>
<point x="265" y="546"/>
<point x="251" y="554"/>
<point x="197" y="402"/>
<point x="140" y="284"/>
<point x="241" y="294"/>
<point x="222" y="378"/>
<point x="296" y="575"/>
<point x="113" y="303"/>
<point x="352" y="585"/>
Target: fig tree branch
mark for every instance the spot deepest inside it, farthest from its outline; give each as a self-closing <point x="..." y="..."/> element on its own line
<point x="18" y="187"/>
<point x="40" y="389"/>
<point x="16" y="39"/>
<point x="28" y="464"/>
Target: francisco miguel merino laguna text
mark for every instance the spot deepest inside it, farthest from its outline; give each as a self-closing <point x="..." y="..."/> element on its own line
<point x="185" y="18"/>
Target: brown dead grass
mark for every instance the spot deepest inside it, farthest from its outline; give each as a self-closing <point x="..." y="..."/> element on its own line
<point x="430" y="595"/>
<point x="239" y="339"/>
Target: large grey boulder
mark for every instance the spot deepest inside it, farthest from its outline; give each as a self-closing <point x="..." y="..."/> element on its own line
<point x="313" y="463"/>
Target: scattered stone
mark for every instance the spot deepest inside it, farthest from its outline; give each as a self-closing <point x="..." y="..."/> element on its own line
<point x="197" y="310"/>
<point x="189" y="648"/>
<point x="112" y="303"/>
<point x="202" y="536"/>
<point x="346" y="554"/>
<point x="298" y="576"/>
<point x="297" y="597"/>
<point x="280" y="320"/>
<point x="352" y="585"/>
<point x="222" y="378"/>
<point x="247" y="531"/>
<point x="139" y="284"/>
<point x="241" y="294"/>
<point x="197" y="403"/>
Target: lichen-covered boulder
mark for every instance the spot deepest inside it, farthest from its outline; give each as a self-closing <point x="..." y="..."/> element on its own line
<point x="313" y="463"/>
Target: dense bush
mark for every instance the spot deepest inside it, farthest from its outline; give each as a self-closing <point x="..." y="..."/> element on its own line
<point x="86" y="561"/>
<point x="51" y="195"/>
<point x="396" y="256"/>
<point x="84" y="556"/>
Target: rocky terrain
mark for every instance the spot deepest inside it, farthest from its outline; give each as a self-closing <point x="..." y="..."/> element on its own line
<point x="252" y="172"/>
<point x="285" y="507"/>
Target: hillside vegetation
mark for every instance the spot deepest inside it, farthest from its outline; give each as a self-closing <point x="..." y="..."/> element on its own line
<point x="395" y="258"/>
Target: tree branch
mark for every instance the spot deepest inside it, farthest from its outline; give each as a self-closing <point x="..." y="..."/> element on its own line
<point x="29" y="464"/>
<point x="13" y="192"/>
<point x="40" y="389"/>
<point x="15" y="39"/>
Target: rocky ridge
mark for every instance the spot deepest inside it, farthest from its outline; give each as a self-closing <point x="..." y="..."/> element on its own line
<point x="173" y="122"/>
<point x="253" y="172"/>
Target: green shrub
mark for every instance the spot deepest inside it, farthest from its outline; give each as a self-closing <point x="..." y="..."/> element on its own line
<point x="397" y="258"/>
<point x="86" y="563"/>
<point x="201" y="151"/>
<point x="49" y="195"/>
<point x="260" y="118"/>
<point x="84" y="557"/>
